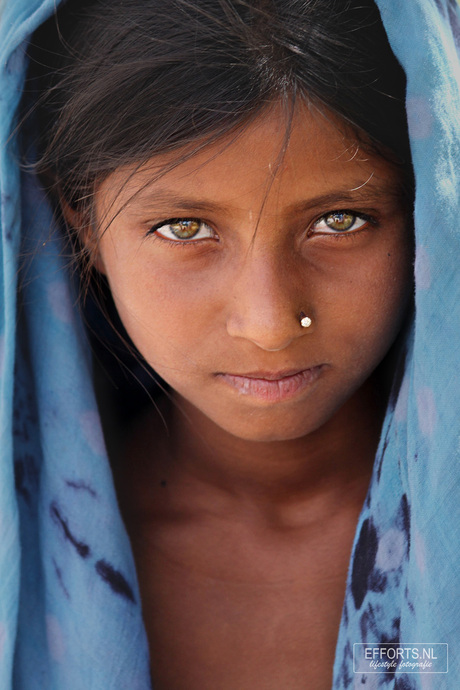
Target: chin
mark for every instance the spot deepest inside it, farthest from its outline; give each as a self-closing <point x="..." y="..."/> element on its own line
<point x="268" y="432"/>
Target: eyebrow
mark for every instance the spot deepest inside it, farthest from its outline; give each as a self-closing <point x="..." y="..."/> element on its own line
<point x="360" y="193"/>
<point x="170" y="198"/>
<point x="369" y="193"/>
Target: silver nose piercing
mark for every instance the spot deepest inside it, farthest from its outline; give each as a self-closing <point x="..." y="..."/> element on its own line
<point x="305" y="320"/>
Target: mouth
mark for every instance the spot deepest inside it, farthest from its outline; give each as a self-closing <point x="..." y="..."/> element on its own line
<point x="268" y="386"/>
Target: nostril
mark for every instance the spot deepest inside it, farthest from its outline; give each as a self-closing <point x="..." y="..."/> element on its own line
<point x="273" y="349"/>
<point x="272" y="326"/>
<point x="268" y="334"/>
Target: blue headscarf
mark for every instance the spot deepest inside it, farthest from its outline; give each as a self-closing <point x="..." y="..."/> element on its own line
<point x="70" y="614"/>
<point x="403" y="578"/>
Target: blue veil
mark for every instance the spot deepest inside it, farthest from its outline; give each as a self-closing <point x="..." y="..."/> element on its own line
<point x="70" y="615"/>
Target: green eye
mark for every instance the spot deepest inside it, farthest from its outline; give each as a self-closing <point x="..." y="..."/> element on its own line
<point x="340" y="220"/>
<point x="185" y="229"/>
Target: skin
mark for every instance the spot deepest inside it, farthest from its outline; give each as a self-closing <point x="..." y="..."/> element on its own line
<point x="246" y="509"/>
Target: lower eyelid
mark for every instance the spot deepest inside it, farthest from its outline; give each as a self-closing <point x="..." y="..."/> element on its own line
<point x="176" y="244"/>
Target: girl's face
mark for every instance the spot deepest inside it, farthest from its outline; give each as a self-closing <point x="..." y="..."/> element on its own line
<point x="212" y="264"/>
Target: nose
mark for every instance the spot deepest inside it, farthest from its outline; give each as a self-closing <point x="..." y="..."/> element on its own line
<point x="267" y="305"/>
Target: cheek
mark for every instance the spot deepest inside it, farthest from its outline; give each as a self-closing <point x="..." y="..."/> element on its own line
<point x="167" y="312"/>
<point x="374" y="304"/>
<point x="390" y="285"/>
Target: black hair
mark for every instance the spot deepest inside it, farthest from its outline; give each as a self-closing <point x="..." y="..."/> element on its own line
<point x="115" y="82"/>
<point x="123" y="80"/>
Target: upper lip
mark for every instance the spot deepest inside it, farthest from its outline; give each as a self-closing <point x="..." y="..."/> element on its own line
<point x="271" y="375"/>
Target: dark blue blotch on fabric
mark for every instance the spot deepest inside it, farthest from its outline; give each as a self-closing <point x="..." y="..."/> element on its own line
<point x="392" y="640"/>
<point x="116" y="581"/>
<point x="449" y="10"/>
<point x="398" y="377"/>
<point x="19" y="480"/>
<point x="81" y="486"/>
<point x="454" y="20"/>
<point x="25" y="431"/>
<point x="396" y="626"/>
<point x="377" y="581"/>
<point x="345" y="667"/>
<point x="367" y="681"/>
<point x="403" y="519"/>
<point x="382" y="455"/>
<point x="367" y="623"/>
<point x="445" y="4"/>
<point x="58" y="572"/>
<point x="24" y="416"/>
<point x="25" y="475"/>
<point x="363" y="561"/>
<point x="82" y="549"/>
<point x="408" y="599"/>
<point x="345" y="613"/>
<point x="404" y="683"/>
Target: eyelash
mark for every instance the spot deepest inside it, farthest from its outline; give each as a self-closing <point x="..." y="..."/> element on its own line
<point x="179" y="242"/>
<point x="339" y="234"/>
<point x="344" y="234"/>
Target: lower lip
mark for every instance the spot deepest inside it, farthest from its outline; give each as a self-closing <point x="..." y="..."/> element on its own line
<point x="277" y="390"/>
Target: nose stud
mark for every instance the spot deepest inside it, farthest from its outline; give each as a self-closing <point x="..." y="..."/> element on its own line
<point x="305" y="320"/>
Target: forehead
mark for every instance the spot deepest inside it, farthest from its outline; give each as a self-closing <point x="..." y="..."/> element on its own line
<point x="275" y="156"/>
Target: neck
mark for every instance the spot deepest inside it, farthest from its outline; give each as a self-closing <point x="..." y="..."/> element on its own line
<point x="330" y="463"/>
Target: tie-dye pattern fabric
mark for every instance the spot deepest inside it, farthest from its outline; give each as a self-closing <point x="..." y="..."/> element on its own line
<point x="70" y="616"/>
<point x="403" y="581"/>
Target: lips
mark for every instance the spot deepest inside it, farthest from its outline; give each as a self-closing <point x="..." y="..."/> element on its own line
<point x="272" y="386"/>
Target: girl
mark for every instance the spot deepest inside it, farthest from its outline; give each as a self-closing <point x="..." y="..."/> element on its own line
<point x="236" y="182"/>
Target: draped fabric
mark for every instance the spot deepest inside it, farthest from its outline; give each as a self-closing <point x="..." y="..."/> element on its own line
<point x="70" y="615"/>
<point x="403" y="577"/>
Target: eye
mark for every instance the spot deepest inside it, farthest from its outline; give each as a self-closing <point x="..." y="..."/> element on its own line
<point x="183" y="229"/>
<point x="343" y="222"/>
